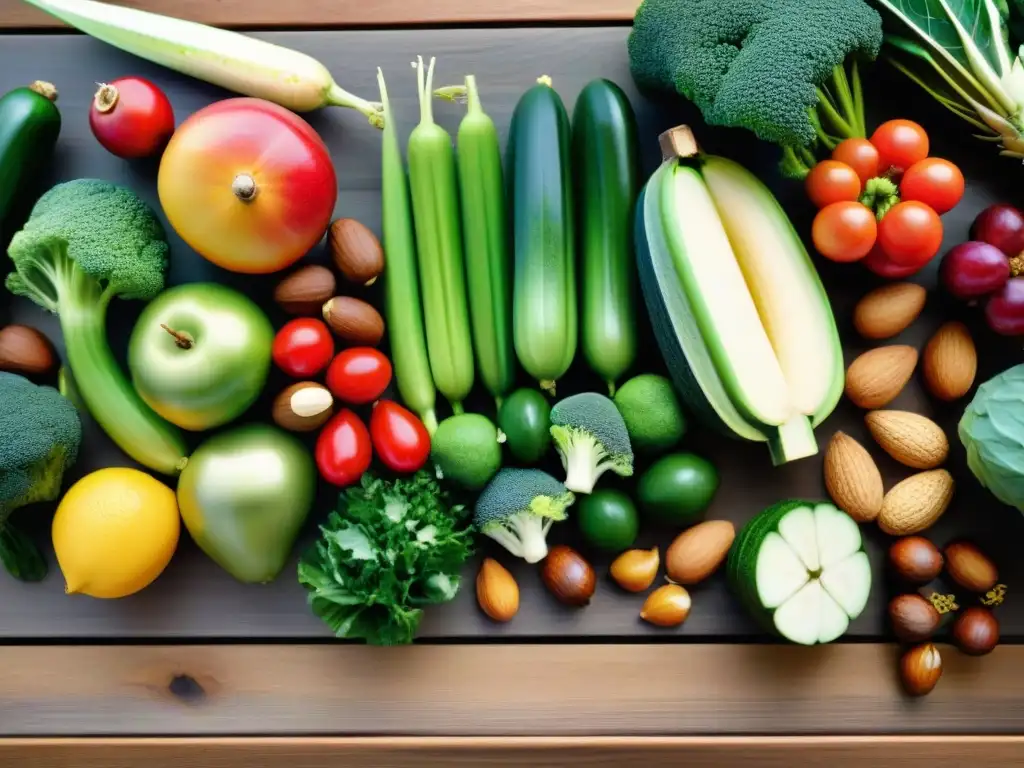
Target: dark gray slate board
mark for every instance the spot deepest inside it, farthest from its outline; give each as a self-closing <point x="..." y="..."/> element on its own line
<point x="194" y="599"/>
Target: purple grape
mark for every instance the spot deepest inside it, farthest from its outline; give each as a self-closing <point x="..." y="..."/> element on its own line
<point x="973" y="269"/>
<point x="1004" y="310"/>
<point x="1002" y="226"/>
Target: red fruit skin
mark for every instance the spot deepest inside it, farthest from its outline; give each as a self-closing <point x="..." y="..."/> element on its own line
<point x="359" y="375"/>
<point x="973" y="269"/>
<point x="913" y="246"/>
<point x="399" y="438"/>
<point x="343" y="449"/>
<point x="1000" y="225"/>
<point x="935" y="182"/>
<point x="1004" y="310"/>
<point x="139" y="124"/>
<point x="303" y="347"/>
<point x="877" y="261"/>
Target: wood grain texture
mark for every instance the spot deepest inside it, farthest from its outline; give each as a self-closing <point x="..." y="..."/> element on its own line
<point x="500" y="752"/>
<point x="497" y="690"/>
<point x="195" y="599"/>
<point x="241" y="14"/>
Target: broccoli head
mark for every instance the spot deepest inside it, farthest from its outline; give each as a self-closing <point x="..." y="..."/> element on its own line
<point x="517" y="508"/>
<point x="591" y="438"/>
<point x="86" y="242"/>
<point x="41" y="435"/>
<point x="775" y="67"/>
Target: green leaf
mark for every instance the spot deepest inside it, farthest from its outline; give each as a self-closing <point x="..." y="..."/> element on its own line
<point x="20" y="555"/>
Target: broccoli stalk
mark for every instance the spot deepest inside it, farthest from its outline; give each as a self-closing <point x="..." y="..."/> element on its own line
<point x="517" y="509"/>
<point x="85" y="243"/>
<point x="785" y="69"/>
<point x="591" y="438"/>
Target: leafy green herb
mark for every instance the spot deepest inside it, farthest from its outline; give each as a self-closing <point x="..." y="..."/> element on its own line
<point x="392" y="547"/>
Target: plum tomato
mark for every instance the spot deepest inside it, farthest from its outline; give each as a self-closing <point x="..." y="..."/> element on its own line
<point x="1004" y="310"/>
<point x="831" y="181"/>
<point x="900" y="144"/>
<point x="359" y="375"/>
<point x="343" y="451"/>
<point x="883" y="266"/>
<point x="859" y="154"/>
<point x="399" y="437"/>
<point x="844" y="231"/>
<point x="1000" y="225"/>
<point x="303" y="347"/>
<point x="935" y="182"/>
<point x="973" y="269"/>
<point x="910" y="233"/>
<point x="131" y="117"/>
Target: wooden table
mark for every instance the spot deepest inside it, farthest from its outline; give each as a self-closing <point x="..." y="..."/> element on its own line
<point x="199" y="670"/>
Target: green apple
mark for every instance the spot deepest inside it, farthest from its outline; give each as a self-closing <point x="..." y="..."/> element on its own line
<point x="200" y="354"/>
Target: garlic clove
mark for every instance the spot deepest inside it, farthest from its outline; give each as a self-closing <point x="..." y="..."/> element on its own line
<point x="667" y="606"/>
<point x="636" y="569"/>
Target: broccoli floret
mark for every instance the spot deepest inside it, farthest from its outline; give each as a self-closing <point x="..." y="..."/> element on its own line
<point x="775" y="67"/>
<point x="41" y="435"/>
<point x="517" y="508"/>
<point x="591" y="438"/>
<point x="86" y="242"/>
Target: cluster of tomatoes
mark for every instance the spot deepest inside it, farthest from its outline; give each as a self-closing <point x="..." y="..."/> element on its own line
<point x="880" y="199"/>
<point x="303" y="349"/>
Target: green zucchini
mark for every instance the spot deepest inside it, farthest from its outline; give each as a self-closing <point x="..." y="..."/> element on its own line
<point x="29" y="126"/>
<point x="800" y="567"/>
<point x="544" y="284"/>
<point x="605" y="165"/>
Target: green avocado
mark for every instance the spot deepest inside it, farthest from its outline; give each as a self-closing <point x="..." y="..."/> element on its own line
<point x="677" y="488"/>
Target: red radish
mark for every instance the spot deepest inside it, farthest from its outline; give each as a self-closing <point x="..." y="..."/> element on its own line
<point x="399" y="438"/>
<point x="131" y="117"/>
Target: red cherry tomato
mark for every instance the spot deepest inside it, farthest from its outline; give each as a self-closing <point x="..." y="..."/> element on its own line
<point x="131" y="117"/>
<point x="910" y="233"/>
<point x="844" y="231"/>
<point x="859" y="154"/>
<point x="399" y="438"/>
<point x="900" y="144"/>
<point x="934" y="182"/>
<point x="303" y="347"/>
<point x="831" y="181"/>
<point x="343" y="450"/>
<point x="883" y="266"/>
<point x="359" y="375"/>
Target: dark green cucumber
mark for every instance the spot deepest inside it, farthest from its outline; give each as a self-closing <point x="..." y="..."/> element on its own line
<point x="544" y="284"/>
<point x="29" y="126"/>
<point x="605" y="166"/>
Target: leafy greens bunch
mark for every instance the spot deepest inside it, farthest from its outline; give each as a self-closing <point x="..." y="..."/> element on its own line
<point x="959" y="51"/>
<point x="392" y="547"/>
<point x="785" y="69"/>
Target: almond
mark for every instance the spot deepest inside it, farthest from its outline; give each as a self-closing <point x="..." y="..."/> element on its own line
<point x="969" y="567"/>
<point x="26" y="351"/>
<point x="950" y="362"/>
<point x="356" y="251"/>
<point x="852" y="478"/>
<point x="914" y="504"/>
<point x="303" y="407"/>
<point x="910" y="438"/>
<point x="875" y="378"/>
<point x="354" y="321"/>
<point x="305" y="290"/>
<point x="497" y="591"/>
<point x="696" y="553"/>
<point x="888" y="310"/>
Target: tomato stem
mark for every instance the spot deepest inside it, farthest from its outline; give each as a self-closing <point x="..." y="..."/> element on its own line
<point x="880" y="195"/>
<point x="106" y="98"/>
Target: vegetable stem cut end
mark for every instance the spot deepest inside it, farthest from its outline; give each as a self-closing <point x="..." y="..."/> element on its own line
<point x="678" y="142"/>
<point x="548" y="385"/>
<point x="46" y="90"/>
<point x="106" y="98"/>
<point x="374" y="110"/>
<point x="793" y="440"/>
<point x="244" y="187"/>
<point x="181" y="339"/>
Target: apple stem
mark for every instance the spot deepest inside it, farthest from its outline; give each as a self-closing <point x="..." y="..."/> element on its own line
<point x="183" y="340"/>
<point x="244" y="187"/>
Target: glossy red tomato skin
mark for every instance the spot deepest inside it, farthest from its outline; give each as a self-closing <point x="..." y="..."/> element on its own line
<point x="343" y="449"/>
<point x="900" y="144"/>
<point x="859" y="154"/>
<point x="831" y="181"/>
<point x="399" y="438"/>
<point x="844" y="231"/>
<point x="879" y="263"/>
<point x="935" y="182"/>
<point x="138" y="124"/>
<point x="359" y="375"/>
<point x="910" y="233"/>
<point x="303" y="347"/>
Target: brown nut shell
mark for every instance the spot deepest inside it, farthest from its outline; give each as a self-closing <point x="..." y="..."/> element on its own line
<point x="356" y="251"/>
<point x="354" y="321"/>
<point x="305" y="290"/>
<point x="303" y="407"/>
<point x="920" y="669"/>
<point x="26" y="351"/>
<point x="569" y="577"/>
<point x="969" y="567"/>
<point x="915" y="559"/>
<point x="913" y="618"/>
<point x="976" y="631"/>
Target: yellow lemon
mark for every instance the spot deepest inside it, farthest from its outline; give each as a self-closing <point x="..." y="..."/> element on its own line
<point x="114" y="532"/>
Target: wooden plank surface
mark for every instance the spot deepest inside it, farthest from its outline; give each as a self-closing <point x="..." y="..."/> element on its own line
<point x="498" y="752"/>
<point x="194" y="599"/>
<point x="15" y="14"/>
<point x="498" y="690"/>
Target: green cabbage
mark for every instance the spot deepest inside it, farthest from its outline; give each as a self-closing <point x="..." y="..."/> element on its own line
<point x="992" y="431"/>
